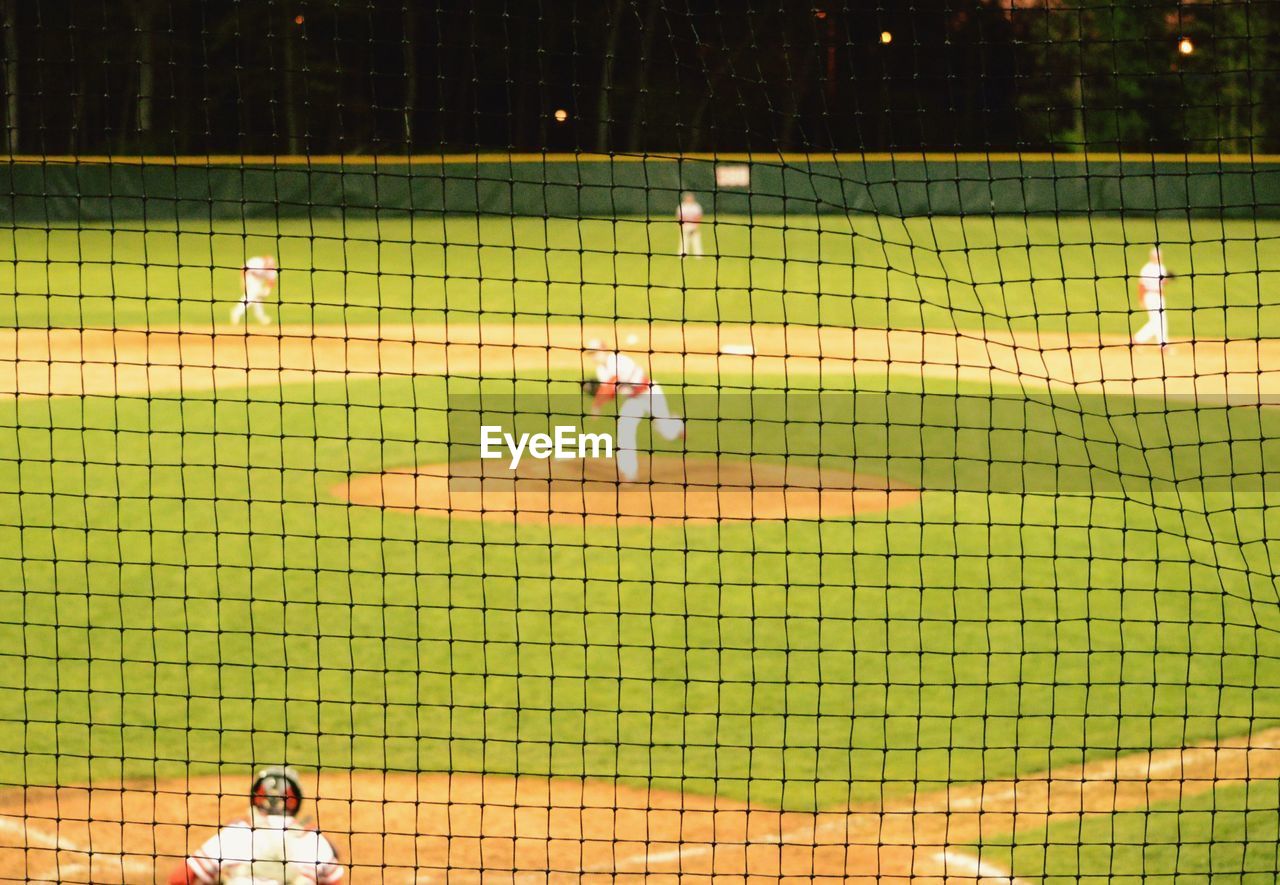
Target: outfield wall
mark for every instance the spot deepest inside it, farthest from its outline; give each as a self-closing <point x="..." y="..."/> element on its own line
<point x="98" y="190"/>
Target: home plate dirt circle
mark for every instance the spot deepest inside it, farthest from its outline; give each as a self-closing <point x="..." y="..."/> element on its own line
<point x="404" y="828"/>
<point x="410" y="828"/>
<point x="670" y="488"/>
<point x="393" y="827"/>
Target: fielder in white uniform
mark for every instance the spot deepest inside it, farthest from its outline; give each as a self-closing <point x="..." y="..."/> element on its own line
<point x="1151" y="295"/>
<point x="638" y="397"/>
<point x="689" y="214"/>
<point x="260" y="278"/>
<point x="270" y="847"/>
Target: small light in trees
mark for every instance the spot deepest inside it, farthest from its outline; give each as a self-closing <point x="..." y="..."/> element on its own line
<point x="886" y="37"/>
<point x="1185" y="46"/>
<point x="561" y="115"/>
<point x="819" y="14"/>
<point x="299" y="19"/>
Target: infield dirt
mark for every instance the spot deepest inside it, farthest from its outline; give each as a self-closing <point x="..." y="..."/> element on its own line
<point x="422" y="828"/>
<point x="71" y="362"/>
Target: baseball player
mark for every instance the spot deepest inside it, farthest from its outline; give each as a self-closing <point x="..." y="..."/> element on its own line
<point x="1151" y="295"/>
<point x="689" y="214"/>
<point x="260" y="278"/>
<point x="270" y="847"/>
<point x="620" y="377"/>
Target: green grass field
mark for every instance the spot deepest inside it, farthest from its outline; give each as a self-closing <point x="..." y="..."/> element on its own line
<point x="872" y="271"/>
<point x="1228" y="835"/>
<point x="181" y="584"/>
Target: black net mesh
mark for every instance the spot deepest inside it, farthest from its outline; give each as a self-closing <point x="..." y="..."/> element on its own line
<point x="680" y="439"/>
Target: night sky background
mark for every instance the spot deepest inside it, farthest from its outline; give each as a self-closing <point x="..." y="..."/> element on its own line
<point x="638" y="76"/>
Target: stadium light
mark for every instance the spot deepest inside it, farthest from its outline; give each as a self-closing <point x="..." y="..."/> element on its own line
<point x="886" y="37"/>
<point x="1185" y="46"/>
<point x="299" y="19"/>
<point x="561" y="115"/>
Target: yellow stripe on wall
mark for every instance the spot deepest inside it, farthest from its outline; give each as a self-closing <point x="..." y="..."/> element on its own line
<point x="521" y="158"/>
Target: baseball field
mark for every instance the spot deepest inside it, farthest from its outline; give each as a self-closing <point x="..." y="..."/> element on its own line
<point x="947" y="583"/>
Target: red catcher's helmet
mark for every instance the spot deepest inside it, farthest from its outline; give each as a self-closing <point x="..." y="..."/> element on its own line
<point x="276" y="791"/>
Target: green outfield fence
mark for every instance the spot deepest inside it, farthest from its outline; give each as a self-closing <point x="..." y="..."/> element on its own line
<point x="100" y="189"/>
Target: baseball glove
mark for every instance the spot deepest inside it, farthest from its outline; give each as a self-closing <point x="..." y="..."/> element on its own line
<point x="590" y="386"/>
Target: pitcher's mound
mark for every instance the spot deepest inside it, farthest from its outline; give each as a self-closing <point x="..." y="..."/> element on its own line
<point x="669" y="488"/>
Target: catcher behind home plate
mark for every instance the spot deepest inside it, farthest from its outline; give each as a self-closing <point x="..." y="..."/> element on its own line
<point x="270" y="847"/>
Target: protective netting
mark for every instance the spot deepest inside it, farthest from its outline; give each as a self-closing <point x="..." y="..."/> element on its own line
<point x="596" y="441"/>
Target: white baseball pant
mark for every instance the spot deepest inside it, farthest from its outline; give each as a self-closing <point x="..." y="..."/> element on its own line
<point x="651" y="403"/>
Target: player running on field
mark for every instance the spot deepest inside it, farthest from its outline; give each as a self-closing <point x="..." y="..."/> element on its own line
<point x="270" y="847"/>
<point x="621" y="377"/>
<point x="1151" y="295"/>
<point x="689" y="214"/>
<point x="260" y="278"/>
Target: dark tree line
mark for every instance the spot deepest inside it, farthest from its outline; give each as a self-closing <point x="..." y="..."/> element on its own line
<point x="397" y="76"/>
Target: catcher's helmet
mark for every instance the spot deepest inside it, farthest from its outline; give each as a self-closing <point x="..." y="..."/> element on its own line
<point x="276" y="791"/>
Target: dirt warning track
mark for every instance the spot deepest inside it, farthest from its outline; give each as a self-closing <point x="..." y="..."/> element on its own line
<point x="408" y="828"/>
<point x="73" y="362"/>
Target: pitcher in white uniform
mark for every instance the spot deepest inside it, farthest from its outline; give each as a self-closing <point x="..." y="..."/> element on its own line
<point x="638" y="396"/>
<point x="270" y="847"/>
